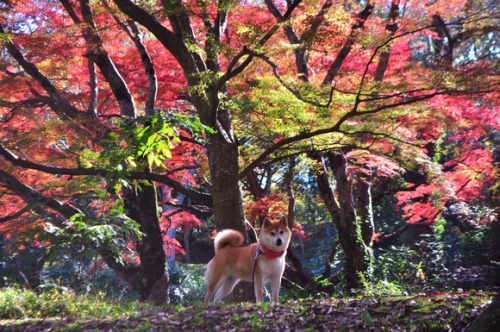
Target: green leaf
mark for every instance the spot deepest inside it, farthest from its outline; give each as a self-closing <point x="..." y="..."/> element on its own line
<point x="151" y="139"/>
<point x="151" y="159"/>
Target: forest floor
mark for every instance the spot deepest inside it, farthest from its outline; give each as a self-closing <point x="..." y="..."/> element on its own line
<point x="425" y="312"/>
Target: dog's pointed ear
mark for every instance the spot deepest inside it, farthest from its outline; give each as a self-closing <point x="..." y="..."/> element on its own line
<point x="284" y="221"/>
<point x="266" y="222"/>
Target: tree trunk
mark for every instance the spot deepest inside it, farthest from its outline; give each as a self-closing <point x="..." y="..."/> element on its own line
<point x="226" y="192"/>
<point x="365" y="210"/>
<point x="341" y="208"/>
<point x="141" y="204"/>
<point x="489" y="319"/>
<point x="358" y="255"/>
<point x="223" y="158"/>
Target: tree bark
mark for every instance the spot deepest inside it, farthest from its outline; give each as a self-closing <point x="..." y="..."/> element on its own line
<point x="222" y="148"/>
<point x="141" y="203"/>
<point x="224" y="171"/>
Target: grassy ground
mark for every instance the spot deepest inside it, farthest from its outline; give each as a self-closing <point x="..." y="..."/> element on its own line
<point x="64" y="311"/>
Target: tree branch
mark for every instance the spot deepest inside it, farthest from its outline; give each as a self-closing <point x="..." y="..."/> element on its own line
<point x="181" y="25"/>
<point x="35" y="199"/>
<point x="59" y="104"/>
<point x="404" y="100"/>
<point x="15" y="215"/>
<point x="392" y="27"/>
<point x="293" y="91"/>
<point x="97" y="53"/>
<point x="174" y="43"/>
<point x="149" y="70"/>
<point x="233" y="69"/>
<point x="301" y="43"/>
<point x="347" y="47"/>
<point x="195" y="195"/>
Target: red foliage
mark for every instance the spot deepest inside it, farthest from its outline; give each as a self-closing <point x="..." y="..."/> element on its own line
<point x="273" y="206"/>
<point x="171" y="220"/>
<point x="371" y="165"/>
<point x="421" y="205"/>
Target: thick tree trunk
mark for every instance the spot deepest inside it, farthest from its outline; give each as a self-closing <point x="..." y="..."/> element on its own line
<point x="141" y="204"/>
<point x="226" y="191"/>
<point x="223" y="158"/>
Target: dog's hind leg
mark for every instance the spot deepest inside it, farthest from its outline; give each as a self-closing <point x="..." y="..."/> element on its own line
<point x="214" y="282"/>
<point x="211" y="288"/>
<point x="226" y="288"/>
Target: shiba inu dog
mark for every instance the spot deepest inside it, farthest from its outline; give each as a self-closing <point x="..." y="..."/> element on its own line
<point x="256" y="263"/>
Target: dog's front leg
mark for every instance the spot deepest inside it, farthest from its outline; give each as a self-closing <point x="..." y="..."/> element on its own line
<point x="258" y="286"/>
<point x="275" y="288"/>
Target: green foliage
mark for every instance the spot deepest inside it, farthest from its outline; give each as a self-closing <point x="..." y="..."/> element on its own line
<point x="474" y="241"/>
<point x="109" y="232"/>
<point x="433" y="258"/>
<point x="439" y="229"/>
<point x="191" y="124"/>
<point x="17" y="303"/>
<point x="397" y="270"/>
<point x="381" y="287"/>
<point x="322" y="281"/>
<point x="146" y="138"/>
<point x="272" y="110"/>
<point x="143" y="142"/>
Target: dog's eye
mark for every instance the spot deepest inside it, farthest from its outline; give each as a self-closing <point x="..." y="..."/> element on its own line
<point x="273" y="233"/>
<point x="282" y="232"/>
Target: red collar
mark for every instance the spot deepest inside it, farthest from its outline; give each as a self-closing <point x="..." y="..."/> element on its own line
<point x="269" y="253"/>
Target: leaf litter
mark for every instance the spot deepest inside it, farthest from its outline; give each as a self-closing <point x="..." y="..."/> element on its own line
<point x="434" y="312"/>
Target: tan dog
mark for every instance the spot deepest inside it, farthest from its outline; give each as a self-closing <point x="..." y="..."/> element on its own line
<point x="257" y="262"/>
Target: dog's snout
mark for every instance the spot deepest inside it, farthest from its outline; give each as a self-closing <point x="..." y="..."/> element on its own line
<point x="279" y="242"/>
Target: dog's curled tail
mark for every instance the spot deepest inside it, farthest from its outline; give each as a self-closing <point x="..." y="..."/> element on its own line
<point x="228" y="238"/>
